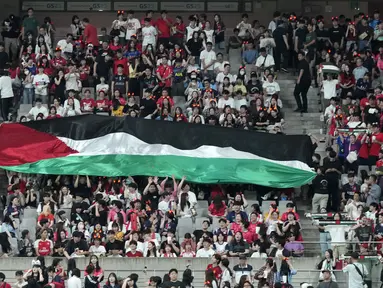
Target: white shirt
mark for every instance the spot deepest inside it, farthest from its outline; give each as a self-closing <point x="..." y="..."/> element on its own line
<point x="272" y="25"/>
<point x="41" y="80"/>
<point x="269" y="61"/>
<point x="189" y="31"/>
<point x="191" y="197"/>
<point x="329" y="111"/>
<point x="221" y="76"/>
<point x="6" y="87"/>
<point x="242" y="28"/>
<point x="239" y="102"/>
<point x="337" y="233"/>
<point x="118" y="24"/>
<point x="132" y="26"/>
<point x="205" y="253"/>
<point x="71" y="81"/>
<point x="354" y="278"/>
<point x="148" y="35"/>
<point x="65" y="46"/>
<point x="209" y="57"/>
<point x="74" y="282"/>
<point x="36" y="111"/>
<point x="102" y="87"/>
<point x="271" y="87"/>
<point x="209" y="35"/>
<point x="97" y="250"/>
<point x="329" y="88"/>
<point x="164" y="206"/>
<point x="222" y="102"/>
<point x="76" y="103"/>
<point x="220" y="67"/>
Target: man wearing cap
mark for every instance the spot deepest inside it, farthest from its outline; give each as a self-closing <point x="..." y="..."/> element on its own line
<point x="327" y="281"/>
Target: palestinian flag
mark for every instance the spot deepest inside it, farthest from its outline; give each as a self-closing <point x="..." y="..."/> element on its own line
<point x="328" y="67"/>
<point x="112" y="146"/>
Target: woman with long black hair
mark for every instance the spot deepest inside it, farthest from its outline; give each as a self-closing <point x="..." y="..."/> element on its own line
<point x="266" y="273"/>
<point x="112" y="281"/>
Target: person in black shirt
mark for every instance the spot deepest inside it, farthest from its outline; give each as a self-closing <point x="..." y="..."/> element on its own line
<point x="320" y="187"/>
<point x="120" y="81"/>
<point x="4" y="58"/>
<point x="336" y="34"/>
<point x="333" y="169"/>
<point x="322" y="36"/>
<point x="281" y="46"/>
<point x="148" y="103"/>
<point x="77" y="245"/>
<point x="82" y="187"/>
<point x="114" y="247"/>
<point x="300" y="36"/>
<point x="10" y="35"/>
<point x="303" y="83"/>
<point x="102" y="67"/>
<point x="91" y="281"/>
<point x="203" y="233"/>
<point x="349" y="189"/>
<point x="173" y="281"/>
<point x="364" y="34"/>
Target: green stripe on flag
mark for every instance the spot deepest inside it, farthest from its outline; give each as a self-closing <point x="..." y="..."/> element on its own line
<point x="200" y="170"/>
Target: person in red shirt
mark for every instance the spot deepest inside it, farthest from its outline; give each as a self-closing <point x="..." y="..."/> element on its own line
<point x="214" y="266"/>
<point x="290" y="208"/>
<point x="133" y="253"/>
<point x="115" y="44"/>
<point x="379" y="163"/>
<point x="178" y="31"/>
<point x="87" y="104"/>
<point x="163" y="26"/>
<point x="48" y="70"/>
<point x="165" y="100"/>
<point x="102" y="104"/>
<point x="376" y="141"/>
<point x="3" y="284"/>
<point x="148" y="15"/>
<point x="84" y="70"/>
<point x="53" y="113"/>
<point x="43" y="246"/>
<point x="164" y="73"/>
<point x="58" y="62"/>
<point x="90" y="33"/>
<point x="119" y="60"/>
<point x="217" y="208"/>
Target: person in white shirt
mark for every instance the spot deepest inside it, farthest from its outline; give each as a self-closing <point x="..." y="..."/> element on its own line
<point x="71" y="108"/>
<point x="97" y="249"/>
<point x="208" y="59"/>
<point x="330" y="110"/>
<point x="132" y="25"/>
<point x="239" y="101"/>
<point x="273" y="23"/>
<point x="270" y="87"/>
<point x="6" y="93"/>
<point x="191" y="28"/>
<point x="149" y="34"/>
<point x="219" y="64"/>
<point x="165" y="205"/>
<point x="264" y="60"/>
<point x="72" y="78"/>
<point x="244" y="26"/>
<point x="20" y="282"/>
<point x="225" y="73"/>
<point x="225" y="100"/>
<point x="356" y="272"/>
<point x="329" y="87"/>
<point x="206" y="251"/>
<point x="37" y="109"/>
<point x="75" y="280"/>
<point x="66" y="45"/>
<point x="209" y="32"/>
<point x="40" y="82"/>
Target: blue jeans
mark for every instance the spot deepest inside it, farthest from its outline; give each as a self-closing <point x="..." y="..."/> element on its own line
<point x="326" y="239"/>
<point x="28" y="95"/>
<point x="363" y="44"/>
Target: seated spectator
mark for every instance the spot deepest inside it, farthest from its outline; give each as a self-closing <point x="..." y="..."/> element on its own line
<point x="224" y="230"/>
<point x="295" y="248"/>
<point x="199" y="234"/>
<point x="46" y="214"/>
<point x="43" y="246"/>
<point x="26" y="245"/>
<point x="206" y="249"/>
<point x="217" y="208"/>
<point x="238" y="246"/>
<point x="236" y="209"/>
<point x="77" y="247"/>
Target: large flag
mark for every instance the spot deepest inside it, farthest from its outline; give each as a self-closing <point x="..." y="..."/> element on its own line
<point x="111" y="146"/>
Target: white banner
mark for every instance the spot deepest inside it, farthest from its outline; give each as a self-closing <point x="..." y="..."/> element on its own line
<point x="43" y="6"/>
<point x="88" y="6"/>
<point x="136" y="6"/>
<point x="222" y="6"/>
<point x="182" y="6"/>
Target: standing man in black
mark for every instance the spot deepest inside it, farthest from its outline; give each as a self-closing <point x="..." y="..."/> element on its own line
<point x="303" y="83"/>
<point x="281" y="46"/>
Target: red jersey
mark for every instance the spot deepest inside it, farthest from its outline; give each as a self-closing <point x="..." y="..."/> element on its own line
<point x="84" y="72"/>
<point x="379" y="163"/>
<point x="363" y="151"/>
<point x="375" y="147"/>
<point x="151" y="22"/>
<point x="87" y="105"/>
<point x="44" y="247"/>
<point x="165" y="71"/>
<point x="217" y="271"/>
<point x="217" y="212"/>
<point x="249" y="236"/>
<point x="123" y="62"/>
<point x="284" y="216"/>
<point x="115" y="47"/>
<point x="58" y="61"/>
<point x="90" y="33"/>
<point x="130" y="254"/>
<point x="363" y="103"/>
<point x="163" y="27"/>
<point x="100" y="104"/>
<point x="180" y="27"/>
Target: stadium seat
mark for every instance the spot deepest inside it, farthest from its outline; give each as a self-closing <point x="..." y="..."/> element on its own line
<point x="361" y="168"/>
<point x="185" y="225"/>
<point x="266" y="206"/>
<point x="249" y="204"/>
<point x="30" y="213"/>
<point x="30" y="225"/>
<point x="203" y="204"/>
<point x="201" y="212"/>
<point x="14" y="246"/>
<point x="282" y="206"/>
